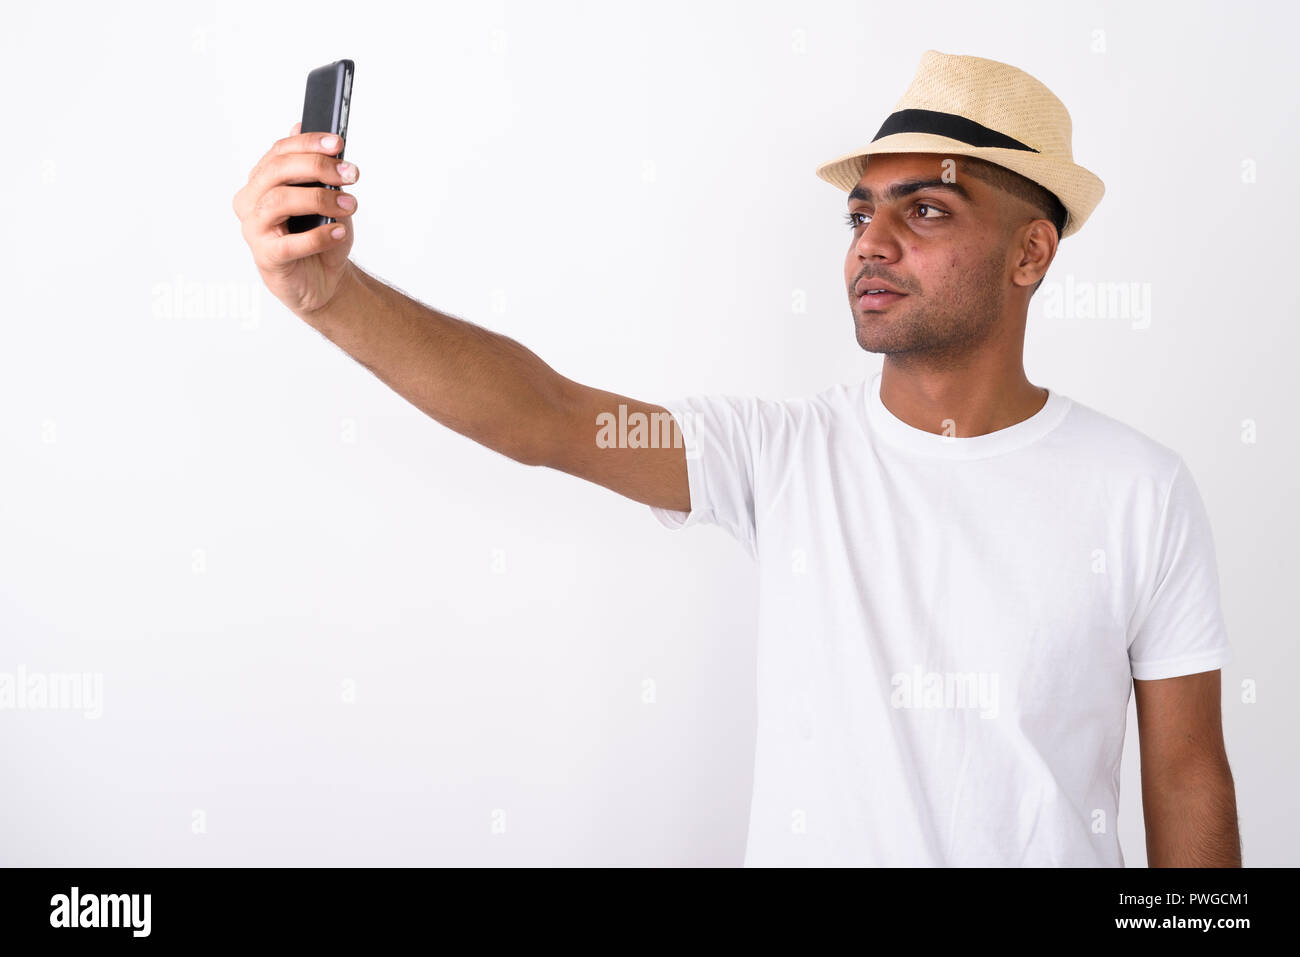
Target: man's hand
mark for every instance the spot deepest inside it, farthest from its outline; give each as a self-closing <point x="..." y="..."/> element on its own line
<point x="302" y="270"/>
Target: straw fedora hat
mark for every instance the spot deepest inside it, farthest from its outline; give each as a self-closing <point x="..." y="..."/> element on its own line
<point x="969" y="106"/>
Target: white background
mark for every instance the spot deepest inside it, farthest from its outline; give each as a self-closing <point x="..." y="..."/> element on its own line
<point x="627" y="189"/>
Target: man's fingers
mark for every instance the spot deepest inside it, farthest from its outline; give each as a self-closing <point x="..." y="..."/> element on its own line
<point x="280" y="250"/>
<point x="297" y="159"/>
<point x="299" y="143"/>
<point x="293" y="130"/>
<point x="302" y="168"/>
<point x="294" y="168"/>
<point x="327" y="143"/>
<point x="280" y="202"/>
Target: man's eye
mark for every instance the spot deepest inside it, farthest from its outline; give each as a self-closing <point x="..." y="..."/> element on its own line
<point x="934" y="212"/>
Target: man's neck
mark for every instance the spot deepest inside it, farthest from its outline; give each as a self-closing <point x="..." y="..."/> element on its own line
<point x="963" y="402"/>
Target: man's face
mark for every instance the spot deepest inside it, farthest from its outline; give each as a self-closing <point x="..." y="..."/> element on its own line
<point x="937" y="237"/>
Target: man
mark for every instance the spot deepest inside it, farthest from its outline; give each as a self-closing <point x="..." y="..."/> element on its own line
<point x="962" y="573"/>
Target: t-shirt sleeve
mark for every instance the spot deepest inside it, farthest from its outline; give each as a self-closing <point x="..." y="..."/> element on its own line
<point x="1178" y="626"/>
<point x="723" y="437"/>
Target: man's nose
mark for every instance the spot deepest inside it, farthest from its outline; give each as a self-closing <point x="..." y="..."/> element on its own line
<point x="878" y="239"/>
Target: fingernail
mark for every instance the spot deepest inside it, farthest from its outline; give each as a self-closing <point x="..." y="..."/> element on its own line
<point x="348" y="172"/>
<point x="347" y="202"/>
<point x="337" y="232"/>
<point x="330" y="142"/>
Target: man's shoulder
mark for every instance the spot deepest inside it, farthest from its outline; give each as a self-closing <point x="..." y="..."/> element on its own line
<point x="824" y="408"/>
<point x="827" y="406"/>
<point x="1114" y="446"/>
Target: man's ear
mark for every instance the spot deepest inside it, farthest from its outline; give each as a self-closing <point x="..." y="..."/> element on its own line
<point x="1035" y="251"/>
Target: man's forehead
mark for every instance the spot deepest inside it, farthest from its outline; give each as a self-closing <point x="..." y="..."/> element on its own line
<point x="890" y="177"/>
<point x="884" y="166"/>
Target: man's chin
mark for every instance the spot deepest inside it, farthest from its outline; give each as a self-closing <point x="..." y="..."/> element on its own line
<point x="871" y="342"/>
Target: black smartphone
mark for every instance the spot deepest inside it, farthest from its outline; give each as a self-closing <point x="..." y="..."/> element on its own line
<point x="325" y="110"/>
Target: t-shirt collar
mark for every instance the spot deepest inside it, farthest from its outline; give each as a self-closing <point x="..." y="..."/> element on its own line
<point x="898" y="433"/>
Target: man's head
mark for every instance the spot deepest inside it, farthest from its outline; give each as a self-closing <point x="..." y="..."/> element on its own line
<point x="965" y="242"/>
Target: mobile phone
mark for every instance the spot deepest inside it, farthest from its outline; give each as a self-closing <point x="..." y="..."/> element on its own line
<point x="325" y="110"/>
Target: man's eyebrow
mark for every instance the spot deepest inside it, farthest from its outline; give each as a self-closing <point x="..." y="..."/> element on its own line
<point x="906" y="187"/>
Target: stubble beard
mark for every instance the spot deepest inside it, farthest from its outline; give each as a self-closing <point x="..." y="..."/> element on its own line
<point x="937" y="333"/>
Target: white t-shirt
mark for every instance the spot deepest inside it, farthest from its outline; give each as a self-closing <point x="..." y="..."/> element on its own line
<point x="949" y="627"/>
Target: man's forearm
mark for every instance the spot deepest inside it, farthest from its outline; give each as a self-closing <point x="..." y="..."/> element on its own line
<point x="479" y="383"/>
<point x="1191" y="820"/>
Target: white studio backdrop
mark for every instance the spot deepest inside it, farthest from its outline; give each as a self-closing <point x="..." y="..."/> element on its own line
<point x="326" y="629"/>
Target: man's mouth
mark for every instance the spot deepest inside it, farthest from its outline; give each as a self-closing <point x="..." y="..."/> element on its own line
<point x="874" y="286"/>
<point x="875" y="294"/>
<point x="878" y="298"/>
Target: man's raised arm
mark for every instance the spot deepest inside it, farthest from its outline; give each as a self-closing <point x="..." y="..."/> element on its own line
<point x="484" y="385"/>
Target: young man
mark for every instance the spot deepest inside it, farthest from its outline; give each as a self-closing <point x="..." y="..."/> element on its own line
<point x="963" y="574"/>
